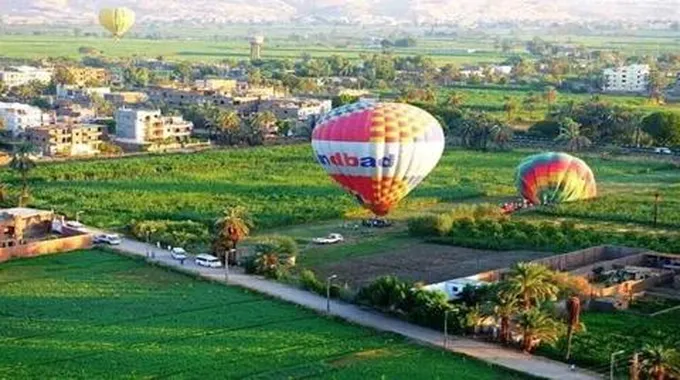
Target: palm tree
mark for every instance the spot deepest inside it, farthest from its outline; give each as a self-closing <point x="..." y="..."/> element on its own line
<point x="573" y="323"/>
<point x="536" y="326"/>
<point x="532" y="284"/>
<point x="570" y="134"/>
<point x="510" y="107"/>
<point x="232" y="227"/>
<point x="501" y="135"/>
<point x="264" y="121"/>
<point x="3" y="193"/>
<point x="228" y="124"/>
<point x="505" y="307"/>
<point x="659" y="362"/>
<point x="23" y="163"/>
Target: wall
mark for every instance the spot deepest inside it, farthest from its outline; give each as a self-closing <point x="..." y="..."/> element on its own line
<point x="46" y="247"/>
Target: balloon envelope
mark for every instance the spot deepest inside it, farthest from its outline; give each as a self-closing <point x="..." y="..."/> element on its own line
<point x="378" y="152"/>
<point x="554" y="178"/>
<point x="117" y="20"/>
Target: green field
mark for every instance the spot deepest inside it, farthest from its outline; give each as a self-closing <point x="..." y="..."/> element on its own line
<point x="283" y="186"/>
<point x="93" y="314"/>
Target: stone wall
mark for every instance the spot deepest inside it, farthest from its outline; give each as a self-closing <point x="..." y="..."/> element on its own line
<point x="46" y="247"/>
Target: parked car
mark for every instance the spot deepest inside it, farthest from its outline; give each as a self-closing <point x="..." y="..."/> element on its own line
<point x="178" y="253"/>
<point x="74" y="224"/>
<point x="376" y="223"/>
<point x="330" y="239"/>
<point x="110" y="239"/>
<point x="662" y="150"/>
<point x="209" y="261"/>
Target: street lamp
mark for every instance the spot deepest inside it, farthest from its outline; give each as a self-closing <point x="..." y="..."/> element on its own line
<point x="78" y="216"/>
<point x="611" y="363"/>
<point x="329" y="279"/>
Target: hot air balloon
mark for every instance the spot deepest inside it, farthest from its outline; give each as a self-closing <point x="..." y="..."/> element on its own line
<point x="549" y="178"/>
<point x="117" y="20"/>
<point x="378" y="152"/>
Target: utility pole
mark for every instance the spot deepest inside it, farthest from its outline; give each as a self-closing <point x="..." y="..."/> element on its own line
<point x="329" y="280"/>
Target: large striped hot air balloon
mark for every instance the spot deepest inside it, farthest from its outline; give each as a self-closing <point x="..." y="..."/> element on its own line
<point x="549" y="178"/>
<point x="117" y="20"/>
<point x="378" y="152"/>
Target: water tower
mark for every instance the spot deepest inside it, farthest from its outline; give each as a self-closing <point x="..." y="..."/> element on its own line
<point x="256" y="47"/>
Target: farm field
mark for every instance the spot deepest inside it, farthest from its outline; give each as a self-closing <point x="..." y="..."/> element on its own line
<point x="283" y="186"/>
<point x="94" y="314"/>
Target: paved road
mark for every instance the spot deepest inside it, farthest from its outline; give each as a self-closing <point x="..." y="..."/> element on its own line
<point x="492" y="353"/>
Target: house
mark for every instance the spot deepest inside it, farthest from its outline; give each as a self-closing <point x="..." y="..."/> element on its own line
<point x="20" y="75"/>
<point x="18" y="225"/>
<point x="126" y="97"/>
<point x="19" y="117"/>
<point x="188" y="96"/>
<point x="216" y="84"/>
<point x="67" y="140"/>
<point x="296" y="109"/>
<point x="84" y="76"/>
<point x="631" y="78"/>
<point x="139" y="127"/>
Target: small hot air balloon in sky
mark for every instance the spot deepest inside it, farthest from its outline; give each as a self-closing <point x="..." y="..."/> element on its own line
<point x="549" y="178"/>
<point x="378" y="152"/>
<point x="117" y="20"/>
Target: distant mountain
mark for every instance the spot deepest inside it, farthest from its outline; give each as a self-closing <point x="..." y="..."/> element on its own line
<point x="351" y="11"/>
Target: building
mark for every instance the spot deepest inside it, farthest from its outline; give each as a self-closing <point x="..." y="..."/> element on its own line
<point x="128" y="97"/>
<point x="302" y="110"/>
<point x="140" y="127"/>
<point x="216" y="84"/>
<point x="77" y="92"/>
<point x="256" y="47"/>
<point x="74" y="112"/>
<point x="19" y="117"/>
<point x="631" y="78"/>
<point x="188" y="96"/>
<point x="85" y="76"/>
<point x="66" y="140"/>
<point x="21" y="75"/>
<point x="18" y="225"/>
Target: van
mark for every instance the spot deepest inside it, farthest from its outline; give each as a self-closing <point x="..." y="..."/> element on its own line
<point x="209" y="261"/>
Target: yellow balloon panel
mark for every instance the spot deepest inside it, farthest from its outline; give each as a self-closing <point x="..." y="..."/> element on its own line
<point x="117" y="20"/>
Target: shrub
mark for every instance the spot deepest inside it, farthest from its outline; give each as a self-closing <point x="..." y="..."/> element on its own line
<point x="430" y="225"/>
<point x="546" y="129"/>
<point x="187" y="234"/>
<point x="387" y="292"/>
<point x="309" y="281"/>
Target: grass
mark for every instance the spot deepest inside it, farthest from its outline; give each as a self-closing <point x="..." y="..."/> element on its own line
<point x="94" y="314"/>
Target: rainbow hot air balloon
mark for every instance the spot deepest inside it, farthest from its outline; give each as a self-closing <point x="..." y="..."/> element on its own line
<point x="378" y="152"/>
<point x="117" y="20"/>
<point x="549" y="178"/>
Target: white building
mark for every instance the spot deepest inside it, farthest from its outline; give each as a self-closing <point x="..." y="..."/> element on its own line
<point x="631" y="78"/>
<point x="21" y="75"/>
<point x="296" y="109"/>
<point x="18" y="117"/>
<point x="146" y="126"/>
<point x="73" y="92"/>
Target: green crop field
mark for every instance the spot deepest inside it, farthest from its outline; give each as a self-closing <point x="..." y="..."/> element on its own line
<point x="94" y="315"/>
<point x="283" y="186"/>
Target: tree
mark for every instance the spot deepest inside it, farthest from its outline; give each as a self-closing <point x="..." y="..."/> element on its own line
<point x="570" y="134"/>
<point x="62" y="75"/>
<point x="3" y="88"/>
<point x="573" y="320"/>
<point x="232" y="227"/>
<point x="501" y="135"/>
<point x="505" y="307"/>
<point x="550" y="95"/>
<point x="265" y="120"/>
<point x="510" y="107"/>
<point x="137" y="76"/>
<point x="659" y="362"/>
<point x="102" y="107"/>
<point x="530" y="103"/>
<point x="183" y="71"/>
<point x="227" y="124"/>
<point x="535" y="326"/>
<point x="663" y="127"/>
<point x="22" y="162"/>
<point x="454" y="99"/>
<point x="531" y="283"/>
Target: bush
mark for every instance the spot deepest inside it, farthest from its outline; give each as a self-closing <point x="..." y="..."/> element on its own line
<point x="280" y="245"/>
<point x="190" y="235"/>
<point x="308" y="281"/>
<point x="387" y="292"/>
<point x="546" y="129"/>
<point x="430" y="225"/>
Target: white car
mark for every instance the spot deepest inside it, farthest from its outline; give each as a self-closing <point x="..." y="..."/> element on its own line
<point x="74" y="224"/>
<point x="662" y="151"/>
<point x="178" y="253"/>
<point x="330" y="239"/>
<point x="110" y="239"/>
<point x="209" y="261"/>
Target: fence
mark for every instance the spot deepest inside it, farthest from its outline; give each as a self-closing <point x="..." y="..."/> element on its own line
<point x="46" y="247"/>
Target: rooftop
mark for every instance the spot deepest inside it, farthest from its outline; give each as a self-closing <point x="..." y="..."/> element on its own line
<point x="22" y="212"/>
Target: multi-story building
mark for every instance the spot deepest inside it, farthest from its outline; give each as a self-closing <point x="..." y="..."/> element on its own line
<point x="216" y="84"/>
<point x="135" y="126"/>
<point x="73" y="112"/>
<point x="19" y="117"/>
<point x="21" y="75"/>
<point x="84" y="76"/>
<point x="67" y="140"/>
<point x="77" y="92"/>
<point x="631" y="78"/>
<point x="188" y="96"/>
<point x="18" y="225"/>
